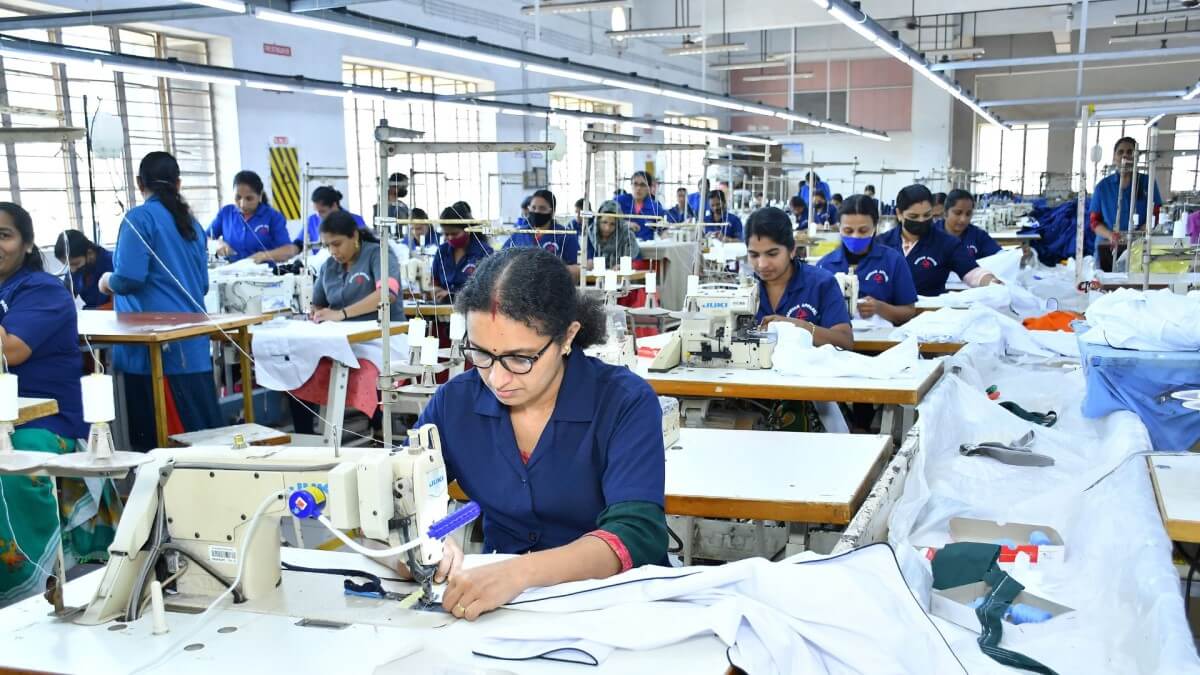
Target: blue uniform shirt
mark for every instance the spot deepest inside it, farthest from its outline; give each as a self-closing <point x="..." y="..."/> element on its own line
<point x="675" y="215"/>
<point x="601" y="446"/>
<point x="86" y="281"/>
<point x="452" y="275"/>
<point x="314" y="230"/>
<point x="565" y="245"/>
<point x="812" y="294"/>
<point x="1104" y="201"/>
<point x="265" y="231"/>
<point x="151" y="262"/>
<point x="37" y="308"/>
<point x="882" y="273"/>
<point x="932" y="259"/>
<point x="650" y="207"/>
<point x="978" y="242"/>
<point x="822" y="187"/>
<point x="730" y="226"/>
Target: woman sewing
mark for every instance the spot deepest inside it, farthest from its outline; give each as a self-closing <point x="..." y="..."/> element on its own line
<point x="161" y="265"/>
<point x="608" y="240"/>
<point x="641" y="203"/>
<point x="249" y="227"/>
<point x="885" y="285"/>
<point x="348" y="286"/>
<point x="960" y="209"/>
<point x="563" y="452"/>
<point x="39" y="338"/>
<point x="789" y="289"/>
<point x="86" y="262"/>
<point x="458" y="257"/>
<point x="931" y="253"/>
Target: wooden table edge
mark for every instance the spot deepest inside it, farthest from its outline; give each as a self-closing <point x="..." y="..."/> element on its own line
<point x="1184" y="531"/>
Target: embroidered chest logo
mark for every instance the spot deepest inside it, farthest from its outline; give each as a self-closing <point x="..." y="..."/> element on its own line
<point x="551" y="247"/>
<point x="358" y="278"/>
<point x="469" y="269"/>
<point x="803" y="311"/>
<point x="262" y="230"/>
<point x="925" y="262"/>
<point x="974" y="250"/>
<point x="878" y="276"/>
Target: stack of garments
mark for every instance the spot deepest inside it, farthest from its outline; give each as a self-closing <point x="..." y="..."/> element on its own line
<point x="1057" y="227"/>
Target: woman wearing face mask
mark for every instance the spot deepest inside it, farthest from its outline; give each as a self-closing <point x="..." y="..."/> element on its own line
<point x="457" y="258"/>
<point x="562" y="452"/>
<point x="885" y="284"/>
<point x="608" y="240"/>
<point x="161" y="265"/>
<point x="960" y="207"/>
<point x="325" y="200"/>
<point x="249" y="227"/>
<point x="87" y="262"/>
<point x="790" y="290"/>
<point x="541" y="217"/>
<point x="931" y="253"/>
<point x="642" y="204"/>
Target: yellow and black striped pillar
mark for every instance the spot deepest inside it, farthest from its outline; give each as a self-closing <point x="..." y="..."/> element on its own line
<point x="285" y="181"/>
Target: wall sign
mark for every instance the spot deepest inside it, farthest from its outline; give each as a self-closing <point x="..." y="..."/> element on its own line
<point x="277" y="50"/>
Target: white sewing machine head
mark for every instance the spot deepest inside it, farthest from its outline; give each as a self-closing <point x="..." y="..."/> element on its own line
<point x="717" y="329"/>
<point x="192" y="507"/>
<point x="619" y="346"/>
<point x="255" y="290"/>
<point x="417" y="272"/>
<point x="848" y="281"/>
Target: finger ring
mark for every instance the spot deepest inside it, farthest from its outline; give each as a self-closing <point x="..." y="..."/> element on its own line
<point x="460" y="609"/>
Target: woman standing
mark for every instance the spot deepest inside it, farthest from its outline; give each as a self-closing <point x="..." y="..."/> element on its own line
<point x="642" y="204"/>
<point x="325" y="200"/>
<point x="608" y="240"/>
<point x="885" y="285"/>
<point x="960" y="207"/>
<point x="86" y="262"/>
<point x="249" y="227"/>
<point x="161" y="265"/>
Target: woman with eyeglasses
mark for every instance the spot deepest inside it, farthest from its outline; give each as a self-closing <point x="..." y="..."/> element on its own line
<point x="562" y="452"/>
<point x="641" y="203"/>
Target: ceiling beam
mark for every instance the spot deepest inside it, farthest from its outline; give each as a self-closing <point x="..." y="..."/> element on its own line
<point x="529" y="90"/>
<point x="316" y="5"/>
<point x="1157" y="54"/>
<point x="109" y="17"/>
<point x="1085" y="98"/>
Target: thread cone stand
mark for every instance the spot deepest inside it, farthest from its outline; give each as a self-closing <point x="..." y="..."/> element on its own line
<point x="99" y="460"/>
<point x="18" y="461"/>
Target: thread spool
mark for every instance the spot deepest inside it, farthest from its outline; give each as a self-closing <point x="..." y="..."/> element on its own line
<point x="429" y="351"/>
<point x="99" y="402"/>
<point x="651" y="283"/>
<point x="610" y="280"/>
<point x="458" y="326"/>
<point x="416" y="328"/>
<point x="626" y="264"/>
<point x="10" y="409"/>
<point x="693" y="285"/>
<point x="1039" y="538"/>
<point x="599" y="266"/>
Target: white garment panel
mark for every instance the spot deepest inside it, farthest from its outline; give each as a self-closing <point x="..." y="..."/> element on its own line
<point x="286" y="352"/>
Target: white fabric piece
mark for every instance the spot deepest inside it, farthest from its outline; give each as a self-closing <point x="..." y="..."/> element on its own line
<point x="244" y="266"/>
<point x="1000" y="297"/>
<point x="980" y="325"/>
<point x="845" y="614"/>
<point x="876" y="322"/>
<point x="372" y="351"/>
<point x="1117" y="573"/>
<point x="1005" y="265"/>
<point x="795" y="355"/>
<point x="287" y="352"/>
<point x="1151" y="321"/>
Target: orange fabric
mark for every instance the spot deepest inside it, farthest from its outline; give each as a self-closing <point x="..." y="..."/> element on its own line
<point x="1056" y="320"/>
<point x="174" y="424"/>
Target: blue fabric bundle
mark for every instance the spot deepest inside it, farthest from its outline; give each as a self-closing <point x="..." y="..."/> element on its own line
<point x="1057" y="227"/>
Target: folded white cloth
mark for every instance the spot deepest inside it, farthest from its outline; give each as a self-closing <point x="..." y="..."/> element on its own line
<point x="286" y="352"/>
<point x="795" y="355"/>
<point x="982" y="325"/>
<point x="875" y="322"/>
<point x="1152" y="321"/>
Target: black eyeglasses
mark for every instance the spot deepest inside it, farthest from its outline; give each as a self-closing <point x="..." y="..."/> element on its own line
<point x="517" y="364"/>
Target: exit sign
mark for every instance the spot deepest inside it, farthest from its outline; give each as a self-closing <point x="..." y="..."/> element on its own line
<point x="281" y="140"/>
<point x="277" y="50"/>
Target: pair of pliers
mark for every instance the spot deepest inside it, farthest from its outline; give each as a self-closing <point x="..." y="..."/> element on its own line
<point x="1017" y="453"/>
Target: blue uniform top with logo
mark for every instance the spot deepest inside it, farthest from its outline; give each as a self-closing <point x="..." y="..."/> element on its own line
<point x="1104" y="201"/>
<point x="932" y="259"/>
<point x="266" y="230"/>
<point x="729" y="226"/>
<point x="602" y="446"/>
<point x="338" y="287"/>
<point x="812" y="294"/>
<point x="978" y="242"/>
<point x="452" y="275"/>
<point x="565" y="245"/>
<point x="822" y="187"/>
<point x="156" y="270"/>
<point x="649" y="207"/>
<point x="677" y="215"/>
<point x="86" y="281"/>
<point x="314" y="231"/>
<point x="37" y="308"/>
<point x="882" y="273"/>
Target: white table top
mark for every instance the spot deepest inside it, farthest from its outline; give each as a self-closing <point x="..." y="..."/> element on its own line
<point x="772" y="475"/>
<point x="1175" y="479"/>
<point x="768" y="384"/>
<point x="272" y="643"/>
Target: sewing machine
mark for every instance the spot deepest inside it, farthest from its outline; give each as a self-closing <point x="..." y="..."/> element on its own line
<point x="717" y="329"/>
<point x="251" y="291"/>
<point x="417" y="272"/>
<point x="189" y="516"/>
<point x="848" y="281"/>
<point x="618" y="348"/>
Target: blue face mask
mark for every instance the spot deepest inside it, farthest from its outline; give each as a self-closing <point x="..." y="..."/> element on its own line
<point x="857" y="245"/>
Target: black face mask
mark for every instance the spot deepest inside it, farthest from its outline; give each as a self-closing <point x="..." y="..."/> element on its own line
<point x="540" y="220"/>
<point x="819" y="207"/>
<point x="918" y="228"/>
<point x="401" y="193"/>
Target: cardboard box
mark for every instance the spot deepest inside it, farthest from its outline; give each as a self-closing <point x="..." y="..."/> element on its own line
<point x="989" y="532"/>
<point x="954" y="605"/>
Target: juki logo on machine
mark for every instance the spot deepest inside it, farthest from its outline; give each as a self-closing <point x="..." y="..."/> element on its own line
<point x="925" y="262"/>
<point x="802" y="311"/>
<point x="879" y="276"/>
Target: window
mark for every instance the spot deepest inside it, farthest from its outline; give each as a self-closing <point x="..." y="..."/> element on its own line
<point x="1185" y="171"/>
<point x="567" y="174"/>
<point x="813" y="103"/>
<point x="1105" y="133"/>
<point x="1012" y="159"/>
<point x="130" y="115"/>
<point x="682" y="168"/>
<point x="435" y="181"/>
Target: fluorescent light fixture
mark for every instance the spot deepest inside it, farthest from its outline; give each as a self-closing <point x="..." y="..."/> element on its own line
<point x="857" y="25"/>
<point x="1155" y="120"/>
<point x="745" y="65"/>
<point x="661" y="31"/>
<point x="1193" y="93"/>
<point x="758" y="110"/>
<point x="268" y="86"/>
<point x="684" y="96"/>
<point x="51" y="58"/>
<point x="725" y="103"/>
<point x="439" y="48"/>
<point x="695" y="48"/>
<point x="618" y="20"/>
<point x="173" y="74"/>
<point x="227" y="5"/>
<point x="520" y="112"/>
<point x="574" y="7"/>
<point x="313" y="23"/>
<point x="807" y="75"/>
<point x="333" y="93"/>
<point x="562" y="72"/>
<point x="1148" y="17"/>
<point x="632" y="86"/>
<point x="1153" y="37"/>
